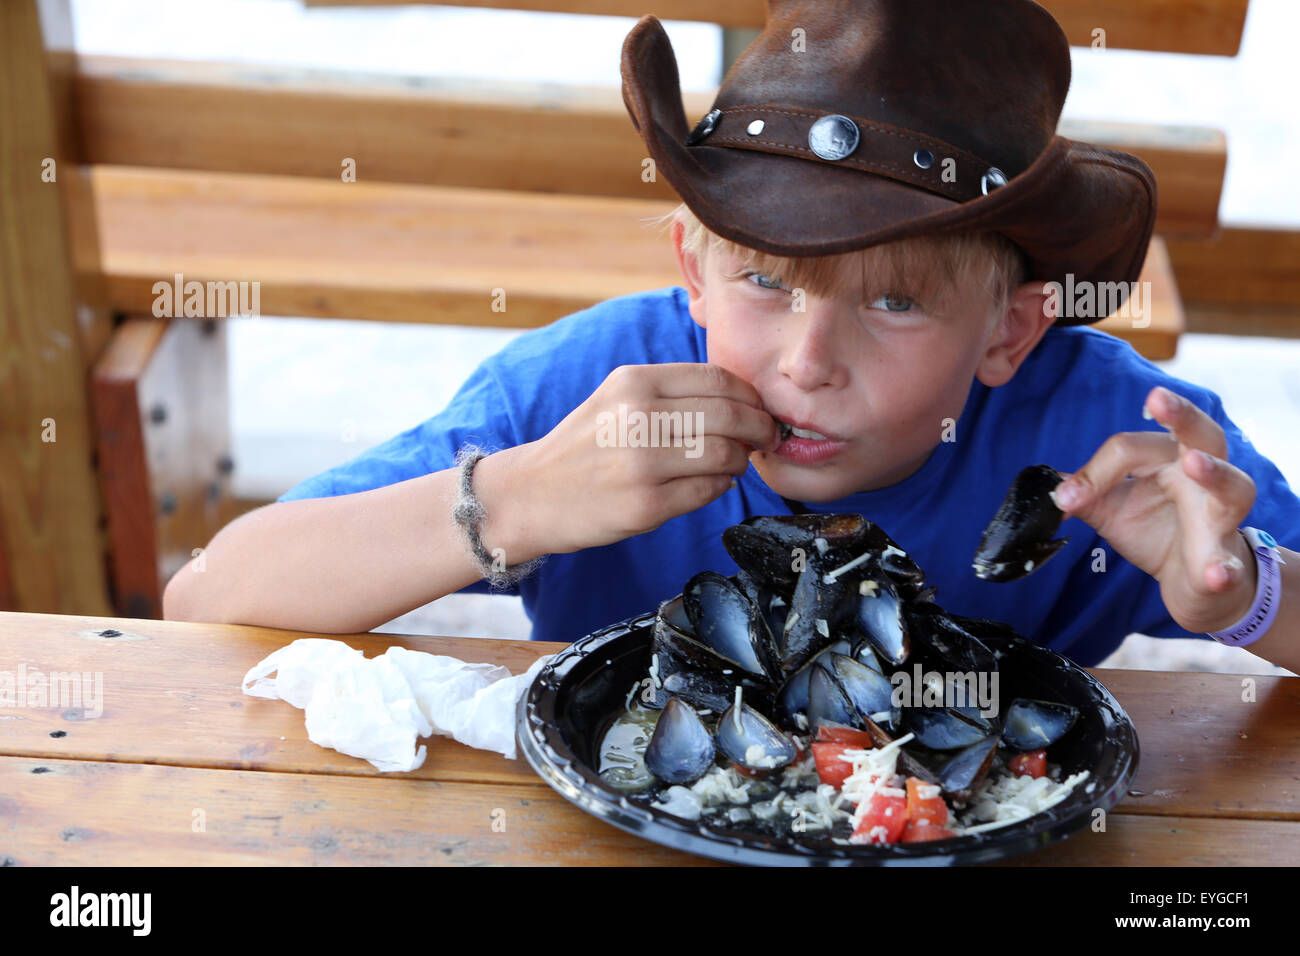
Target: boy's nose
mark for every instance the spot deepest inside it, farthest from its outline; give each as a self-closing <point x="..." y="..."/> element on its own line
<point x="811" y="359"/>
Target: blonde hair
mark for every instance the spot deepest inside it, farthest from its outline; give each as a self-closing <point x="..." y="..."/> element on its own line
<point x="934" y="270"/>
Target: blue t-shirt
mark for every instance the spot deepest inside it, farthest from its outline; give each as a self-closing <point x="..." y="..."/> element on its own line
<point x="1076" y="389"/>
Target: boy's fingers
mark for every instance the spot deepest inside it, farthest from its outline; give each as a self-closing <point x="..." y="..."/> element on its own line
<point x="1186" y="422"/>
<point x="711" y="455"/>
<point x="1119" y="456"/>
<point x="693" y="491"/>
<point x="727" y="418"/>
<point x="688" y="379"/>
<point x="1232" y="488"/>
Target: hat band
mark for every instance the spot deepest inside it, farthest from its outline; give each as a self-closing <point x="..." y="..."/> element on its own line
<point x="873" y="147"/>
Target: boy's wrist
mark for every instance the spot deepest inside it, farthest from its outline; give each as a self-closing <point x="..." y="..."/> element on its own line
<point x="1245" y="589"/>
<point x="511" y="530"/>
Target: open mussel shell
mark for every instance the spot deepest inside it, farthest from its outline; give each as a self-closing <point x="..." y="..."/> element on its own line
<point x="944" y="644"/>
<point x="682" y="666"/>
<point x="828" y="702"/>
<point x="878" y="614"/>
<point x="945" y="728"/>
<point x="963" y="773"/>
<point x="724" y="619"/>
<point x="815" y="610"/>
<point x="870" y="692"/>
<point x="773" y="547"/>
<point x="1036" y="724"/>
<point x="792" y="698"/>
<point x="1019" y="539"/>
<point x="681" y="749"/>
<point x="750" y="740"/>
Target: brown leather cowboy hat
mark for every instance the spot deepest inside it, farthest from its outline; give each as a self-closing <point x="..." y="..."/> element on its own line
<point x="849" y="123"/>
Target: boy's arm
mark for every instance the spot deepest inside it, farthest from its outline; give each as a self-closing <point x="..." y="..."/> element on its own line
<point x="349" y="563"/>
<point x="354" y="561"/>
<point x="1171" y="503"/>
<point x="1280" y="645"/>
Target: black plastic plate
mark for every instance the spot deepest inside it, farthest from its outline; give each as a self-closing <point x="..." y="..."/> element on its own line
<point x="563" y="717"/>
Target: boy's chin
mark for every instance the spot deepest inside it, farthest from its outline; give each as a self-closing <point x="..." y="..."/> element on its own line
<point x="801" y="483"/>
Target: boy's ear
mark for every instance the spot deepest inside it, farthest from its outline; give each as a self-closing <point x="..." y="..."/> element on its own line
<point x="692" y="275"/>
<point x="1014" y="337"/>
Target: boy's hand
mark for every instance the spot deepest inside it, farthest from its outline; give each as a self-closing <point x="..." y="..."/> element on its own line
<point x="600" y="481"/>
<point x="1177" y="517"/>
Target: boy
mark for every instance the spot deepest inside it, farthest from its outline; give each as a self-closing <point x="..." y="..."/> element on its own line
<point x="872" y="214"/>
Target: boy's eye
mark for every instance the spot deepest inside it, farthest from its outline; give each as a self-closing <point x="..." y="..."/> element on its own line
<point x="893" y="303"/>
<point x="776" y="283"/>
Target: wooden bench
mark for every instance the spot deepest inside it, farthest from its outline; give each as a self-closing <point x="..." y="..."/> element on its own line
<point x="228" y="173"/>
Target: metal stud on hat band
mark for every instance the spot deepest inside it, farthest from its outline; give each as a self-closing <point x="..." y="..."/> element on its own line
<point x="833" y="137"/>
<point x="870" y="146"/>
<point x="704" y="127"/>
<point x="993" y="179"/>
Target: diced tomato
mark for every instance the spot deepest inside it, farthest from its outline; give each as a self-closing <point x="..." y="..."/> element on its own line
<point x="1032" y="764"/>
<point x="919" y="831"/>
<point x="839" y="734"/>
<point x="932" y="809"/>
<point x="832" y="767"/>
<point x="883" y="822"/>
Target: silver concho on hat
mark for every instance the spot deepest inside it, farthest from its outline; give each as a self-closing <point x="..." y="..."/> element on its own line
<point x="704" y="127"/>
<point x="833" y="137"/>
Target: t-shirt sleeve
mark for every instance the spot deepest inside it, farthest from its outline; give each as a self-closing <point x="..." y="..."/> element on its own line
<point x="478" y="414"/>
<point x="1276" y="510"/>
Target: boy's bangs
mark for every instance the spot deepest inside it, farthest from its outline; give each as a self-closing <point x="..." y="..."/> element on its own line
<point x="933" y="272"/>
<point x="938" y="272"/>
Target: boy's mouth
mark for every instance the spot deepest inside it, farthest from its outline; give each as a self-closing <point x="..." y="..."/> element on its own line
<point x="786" y="430"/>
<point x="801" y="445"/>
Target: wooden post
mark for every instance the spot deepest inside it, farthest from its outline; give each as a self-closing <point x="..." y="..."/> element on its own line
<point x="50" y="511"/>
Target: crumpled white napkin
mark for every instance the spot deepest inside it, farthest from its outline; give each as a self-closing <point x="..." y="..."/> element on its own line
<point x="376" y="708"/>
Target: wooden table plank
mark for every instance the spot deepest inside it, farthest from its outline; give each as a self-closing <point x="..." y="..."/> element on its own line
<point x="88" y="813"/>
<point x="171" y="696"/>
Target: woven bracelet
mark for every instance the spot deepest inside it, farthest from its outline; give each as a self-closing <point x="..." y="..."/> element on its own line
<point x="469" y="514"/>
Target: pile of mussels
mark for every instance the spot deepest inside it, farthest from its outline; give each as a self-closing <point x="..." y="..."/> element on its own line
<point x="824" y="611"/>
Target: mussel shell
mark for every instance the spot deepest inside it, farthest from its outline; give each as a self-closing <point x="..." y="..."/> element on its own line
<point x="944" y="728"/>
<point x="701" y="677"/>
<point x="815" y="611"/>
<point x="829" y="702"/>
<point x="1036" y="724"/>
<point x="1019" y="538"/>
<point x="673" y="613"/>
<point x="943" y="644"/>
<point x="725" y="620"/>
<point x="681" y="749"/>
<point x="792" y="697"/>
<point x="964" y="772"/>
<point x="739" y="732"/>
<point x="864" y="655"/>
<point x="878" y="614"/>
<point x="871" y="693"/>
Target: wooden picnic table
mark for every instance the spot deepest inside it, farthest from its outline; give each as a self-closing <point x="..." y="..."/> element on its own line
<point x="181" y="768"/>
